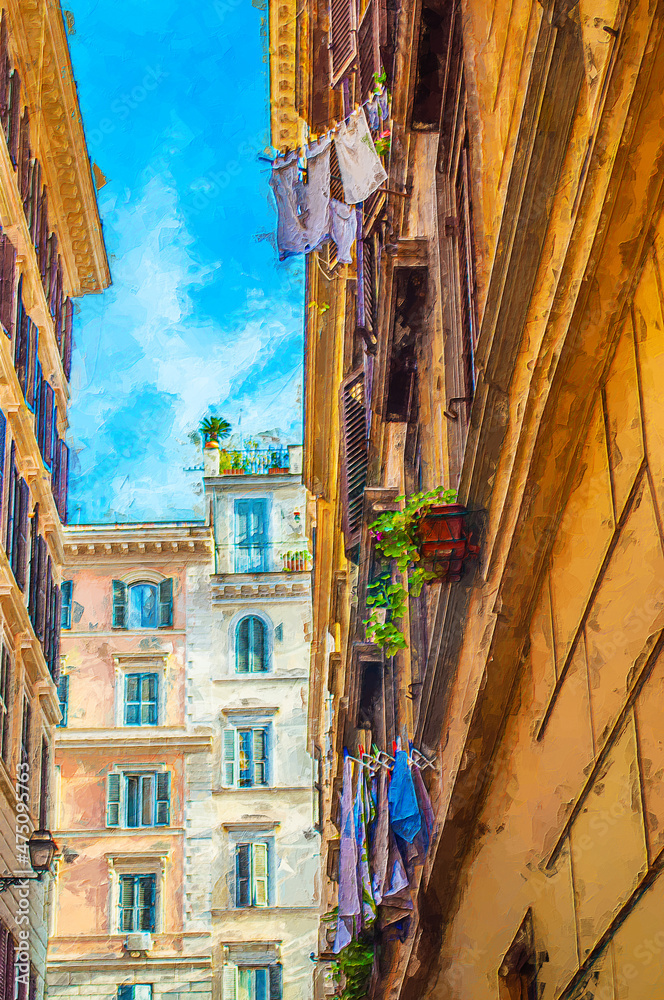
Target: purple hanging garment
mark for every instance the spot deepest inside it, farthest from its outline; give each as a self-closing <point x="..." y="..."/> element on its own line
<point x="426" y="810"/>
<point x="380" y="845"/>
<point x="362" y="809"/>
<point x="349" y="898"/>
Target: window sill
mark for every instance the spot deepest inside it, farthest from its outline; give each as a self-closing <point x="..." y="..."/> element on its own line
<point x="261" y="789"/>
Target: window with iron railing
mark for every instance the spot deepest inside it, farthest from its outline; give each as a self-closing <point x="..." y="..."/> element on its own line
<point x="252" y="542"/>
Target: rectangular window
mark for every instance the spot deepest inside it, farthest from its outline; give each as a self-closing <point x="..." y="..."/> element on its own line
<point x="67" y="593"/>
<point x="137" y="992"/>
<point x="137" y="902"/>
<point x="246" y="757"/>
<point x="142" y="799"/>
<point x="251" y="536"/>
<point x="251" y="874"/>
<point x="5" y="694"/>
<point x="252" y="983"/>
<point x="141" y="699"/>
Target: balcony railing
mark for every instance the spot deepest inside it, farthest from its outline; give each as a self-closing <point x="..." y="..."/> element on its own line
<point x="254" y="462"/>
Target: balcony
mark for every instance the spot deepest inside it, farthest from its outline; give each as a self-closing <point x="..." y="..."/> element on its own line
<point x="280" y="460"/>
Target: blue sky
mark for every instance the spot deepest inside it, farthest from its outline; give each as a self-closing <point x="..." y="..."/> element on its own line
<point x="201" y="316"/>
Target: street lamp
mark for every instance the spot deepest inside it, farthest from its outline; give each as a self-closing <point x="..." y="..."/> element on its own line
<point x="42" y="849"/>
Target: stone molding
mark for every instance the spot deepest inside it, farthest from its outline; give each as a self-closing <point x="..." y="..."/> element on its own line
<point x="152" y="542"/>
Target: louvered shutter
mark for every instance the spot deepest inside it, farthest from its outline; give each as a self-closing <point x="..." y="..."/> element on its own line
<point x="43" y="240"/>
<point x="22" y="541"/>
<point x="149" y="699"/>
<point x="166" y="603"/>
<point x="67" y="341"/>
<point x="243" y="875"/>
<point x="5" y="69"/>
<point x="14" y="116"/>
<point x="63" y="489"/>
<point x="8" y="285"/>
<point x="229" y="756"/>
<point x="25" y="156"/>
<point x="127" y="902"/>
<point x="355" y="455"/>
<point x="467" y="287"/>
<point x="343" y="44"/>
<point x="276" y="981"/>
<point x="48" y="605"/>
<point x="49" y="399"/>
<point x="67" y="594"/>
<point x="40" y="610"/>
<point x="11" y="500"/>
<point x="260" y="756"/>
<point x="163" y="817"/>
<point x="259" y="874"/>
<point x="257" y="651"/>
<point x="11" y="968"/>
<point x="55" y="650"/>
<point x="3" y="444"/>
<point x="125" y="992"/>
<point x="147" y="799"/>
<point x="242" y="647"/>
<point x="368" y="40"/>
<point x="4" y="934"/>
<point x="229" y="982"/>
<point x="119" y="604"/>
<point x="22" y="334"/>
<point x="31" y="365"/>
<point x="147" y="891"/>
<point x="34" y="564"/>
<point x="63" y="700"/>
<point x="52" y="271"/>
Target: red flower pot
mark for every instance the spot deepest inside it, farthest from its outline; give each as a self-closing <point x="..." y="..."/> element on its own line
<point x="444" y="540"/>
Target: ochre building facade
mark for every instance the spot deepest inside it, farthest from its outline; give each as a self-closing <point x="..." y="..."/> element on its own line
<point x="500" y="333"/>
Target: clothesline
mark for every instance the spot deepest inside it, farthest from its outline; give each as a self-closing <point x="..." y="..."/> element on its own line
<point x="381" y="95"/>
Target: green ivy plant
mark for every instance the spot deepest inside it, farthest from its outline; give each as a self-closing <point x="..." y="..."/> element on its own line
<point x="396" y="536"/>
<point x="352" y="969"/>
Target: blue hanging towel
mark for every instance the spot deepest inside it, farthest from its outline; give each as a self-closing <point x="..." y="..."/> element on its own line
<point x="405" y="816"/>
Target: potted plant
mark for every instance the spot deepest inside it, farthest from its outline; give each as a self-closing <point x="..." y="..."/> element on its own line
<point x="237" y="465"/>
<point x="427" y="537"/>
<point x="213" y="428"/>
<point x="275" y="468"/>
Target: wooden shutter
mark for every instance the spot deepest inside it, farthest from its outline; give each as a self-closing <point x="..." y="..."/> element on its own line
<point x="242" y="647"/>
<point x="163" y="816"/>
<point x="34" y="564"/>
<point x="24" y="157"/>
<point x="32" y="995"/>
<point x="229" y="982"/>
<point x="67" y="339"/>
<point x="369" y="48"/>
<point x="31" y="363"/>
<point x="52" y="272"/>
<point x="467" y="284"/>
<point x="343" y="43"/>
<point x="63" y="489"/>
<point x="229" y="756"/>
<point x="7" y="284"/>
<point x="43" y="241"/>
<point x="5" y="70"/>
<point x="22" y="538"/>
<point x="166" y="604"/>
<point x="260" y="756"/>
<point x="14" y="116"/>
<point x="5" y="688"/>
<point x="67" y="594"/>
<point x="63" y="699"/>
<point x="127" y="902"/>
<point x="11" y="968"/>
<point x="11" y="499"/>
<point x="43" y="785"/>
<point x="47" y="441"/>
<point x="147" y="799"/>
<point x="243" y="875"/>
<point x="55" y="648"/>
<point x="21" y="334"/>
<point x="259" y="874"/>
<point x="147" y="894"/>
<point x="3" y="444"/>
<point x="149" y="699"/>
<point x="355" y="455"/>
<point x="4" y="934"/>
<point x="276" y="981"/>
<point x="119" y="604"/>
<point x="40" y="610"/>
<point x="257" y="644"/>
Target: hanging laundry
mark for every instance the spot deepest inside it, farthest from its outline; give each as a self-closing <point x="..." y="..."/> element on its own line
<point x="372" y="114"/>
<point x="426" y="810"/>
<point x="380" y="844"/>
<point x="397" y="900"/>
<point x="349" y="899"/>
<point x="362" y="819"/>
<point x="301" y="187"/>
<point x="359" y="164"/>
<point x="343" y="228"/>
<point x="383" y="102"/>
<point x="404" y="810"/>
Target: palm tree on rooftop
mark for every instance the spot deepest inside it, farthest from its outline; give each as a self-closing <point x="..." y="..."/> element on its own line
<point x="214" y="428"/>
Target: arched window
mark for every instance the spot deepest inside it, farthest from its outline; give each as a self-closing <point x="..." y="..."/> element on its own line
<point x="143" y="604"/>
<point x="251" y="653"/>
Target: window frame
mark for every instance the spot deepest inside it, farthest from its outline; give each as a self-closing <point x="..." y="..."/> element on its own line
<point x="267" y="644"/>
<point x="135" y="907"/>
<point x="257" y="883"/>
<point x="63" y="682"/>
<point x="263" y="548"/>
<point x="67" y="592"/>
<point x="231" y="753"/>
<point x="117" y="797"/>
<point x="141" y="675"/>
<point x="121" y="603"/>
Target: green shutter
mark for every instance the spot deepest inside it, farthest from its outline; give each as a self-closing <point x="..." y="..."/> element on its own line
<point x="257" y="650"/>
<point x="259" y="874"/>
<point x="119" y="604"/>
<point x="243" y="875"/>
<point x="166" y="603"/>
<point x="147" y="799"/>
<point x="67" y="591"/>
<point x="163" y="816"/>
<point x="147" y="892"/>
<point x="229" y="756"/>
<point x="260" y="756"/>
<point x="113" y="800"/>
<point x="242" y="650"/>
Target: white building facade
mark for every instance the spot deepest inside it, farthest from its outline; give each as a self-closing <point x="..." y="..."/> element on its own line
<point x="250" y="806"/>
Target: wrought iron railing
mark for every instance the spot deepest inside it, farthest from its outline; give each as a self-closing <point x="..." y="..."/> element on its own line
<point x="253" y="461"/>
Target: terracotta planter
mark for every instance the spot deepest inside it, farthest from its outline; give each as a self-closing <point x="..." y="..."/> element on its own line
<point x="444" y="541"/>
<point x="276" y="471"/>
<point x="232" y="472"/>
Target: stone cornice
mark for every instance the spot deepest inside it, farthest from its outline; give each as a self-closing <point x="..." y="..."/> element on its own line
<point x="154" y="739"/>
<point x="231" y="588"/>
<point x="40" y="48"/>
<point x="150" y="542"/>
